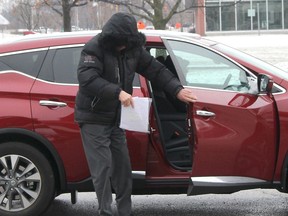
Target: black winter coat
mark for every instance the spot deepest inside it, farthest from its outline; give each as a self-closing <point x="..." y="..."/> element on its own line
<point x="103" y="73"/>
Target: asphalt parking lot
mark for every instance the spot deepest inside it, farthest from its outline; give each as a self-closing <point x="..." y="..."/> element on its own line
<point x="245" y="203"/>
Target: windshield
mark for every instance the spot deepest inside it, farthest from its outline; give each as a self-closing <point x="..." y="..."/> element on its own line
<point x="252" y="60"/>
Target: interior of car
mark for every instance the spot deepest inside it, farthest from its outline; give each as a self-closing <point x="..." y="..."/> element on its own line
<point x="171" y="117"/>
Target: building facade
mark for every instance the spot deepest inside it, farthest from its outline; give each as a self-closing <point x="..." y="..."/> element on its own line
<point x="245" y="15"/>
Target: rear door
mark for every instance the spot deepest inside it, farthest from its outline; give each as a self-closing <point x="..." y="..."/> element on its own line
<point x="52" y="103"/>
<point x="53" y="100"/>
<point x="234" y="129"/>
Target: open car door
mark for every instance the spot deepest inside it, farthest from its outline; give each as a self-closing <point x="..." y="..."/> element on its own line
<point x="234" y="145"/>
<point x="232" y="128"/>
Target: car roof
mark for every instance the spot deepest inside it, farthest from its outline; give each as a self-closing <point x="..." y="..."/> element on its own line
<point x="36" y="41"/>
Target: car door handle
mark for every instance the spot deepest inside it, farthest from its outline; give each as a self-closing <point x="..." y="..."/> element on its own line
<point x="49" y="103"/>
<point x="205" y="113"/>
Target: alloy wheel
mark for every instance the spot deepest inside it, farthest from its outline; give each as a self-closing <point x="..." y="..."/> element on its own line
<point x="20" y="183"/>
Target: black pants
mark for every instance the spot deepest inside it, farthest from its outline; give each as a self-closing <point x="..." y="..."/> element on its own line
<point x="109" y="163"/>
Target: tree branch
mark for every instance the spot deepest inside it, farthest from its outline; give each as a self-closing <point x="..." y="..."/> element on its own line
<point x="139" y="14"/>
<point x="53" y="8"/>
<point x="173" y="10"/>
<point x="77" y="4"/>
<point x="149" y="3"/>
<point x="130" y="5"/>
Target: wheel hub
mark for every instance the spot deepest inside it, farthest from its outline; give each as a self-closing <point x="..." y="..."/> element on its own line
<point x="13" y="182"/>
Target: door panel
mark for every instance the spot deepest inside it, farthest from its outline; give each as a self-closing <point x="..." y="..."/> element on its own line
<point x="52" y="102"/>
<point x="239" y="139"/>
<point x="234" y="128"/>
<point x="56" y="123"/>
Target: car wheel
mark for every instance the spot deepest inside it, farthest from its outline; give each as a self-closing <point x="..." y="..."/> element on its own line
<point x="27" y="183"/>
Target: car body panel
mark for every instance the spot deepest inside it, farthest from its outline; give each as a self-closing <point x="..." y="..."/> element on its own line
<point x="14" y="100"/>
<point x="282" y="104"/>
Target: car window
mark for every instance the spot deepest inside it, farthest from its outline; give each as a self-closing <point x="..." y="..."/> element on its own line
<point x="64" y="63"/>
<point x="4" y="67"/>
<point x="202" y="67"/>
<point x="162" y="55"/>
<point x="28" y="63"/>
<point x="158" y="53"/>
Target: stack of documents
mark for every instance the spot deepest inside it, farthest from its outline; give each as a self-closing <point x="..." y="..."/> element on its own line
<point x="137" y="118"/>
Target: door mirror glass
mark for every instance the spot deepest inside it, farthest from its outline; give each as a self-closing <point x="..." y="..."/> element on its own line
<point x="265" y="84"/>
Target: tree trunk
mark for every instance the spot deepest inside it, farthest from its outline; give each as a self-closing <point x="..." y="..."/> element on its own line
<point x="158" y="21"/>
<point x="66" y="16"/>
<point x="159" y="24"/>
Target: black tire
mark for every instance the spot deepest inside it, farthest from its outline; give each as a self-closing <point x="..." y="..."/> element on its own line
<point x="26" y="179"/>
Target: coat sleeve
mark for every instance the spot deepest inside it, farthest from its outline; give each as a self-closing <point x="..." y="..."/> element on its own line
<point x="90" y="76"/>
<point x="157" y="73"/>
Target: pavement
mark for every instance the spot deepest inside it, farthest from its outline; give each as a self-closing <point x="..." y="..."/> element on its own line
<point x="257" y="202"/>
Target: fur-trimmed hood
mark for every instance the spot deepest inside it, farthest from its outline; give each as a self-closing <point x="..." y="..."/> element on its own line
<point x="121" y="29"/>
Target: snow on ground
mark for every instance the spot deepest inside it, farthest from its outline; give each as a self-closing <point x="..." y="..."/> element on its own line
<point x="7" y="37"/>
<point x="270" y="48"/>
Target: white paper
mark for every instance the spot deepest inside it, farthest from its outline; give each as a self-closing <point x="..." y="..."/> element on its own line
<point x="137" y="118"/>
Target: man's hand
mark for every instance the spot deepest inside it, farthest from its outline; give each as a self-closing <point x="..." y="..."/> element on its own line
<point x="186" y="96"/>
<point x="126" y="99"/>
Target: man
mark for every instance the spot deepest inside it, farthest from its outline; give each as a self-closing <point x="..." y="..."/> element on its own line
<point x="106" y="70"/>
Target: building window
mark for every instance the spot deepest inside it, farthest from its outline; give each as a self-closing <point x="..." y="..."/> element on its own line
<point x="262" y="16"/>
<point x="243" y="20"/>
<point x="213" y="16"/>
<point x="285" y="14"/>
<point x="275" y="14"/>
<point x="228" y="16"/>
<point x="223" y="15"/>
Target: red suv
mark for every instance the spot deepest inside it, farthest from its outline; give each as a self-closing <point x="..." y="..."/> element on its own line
<point x="234" y="137"/>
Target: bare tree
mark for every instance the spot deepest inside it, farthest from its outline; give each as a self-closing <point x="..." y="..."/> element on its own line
<point x="27" y="12"/>
<point x="158" y="12"/>
<point x="63" y="8"/>
<point x="94" y="16"/>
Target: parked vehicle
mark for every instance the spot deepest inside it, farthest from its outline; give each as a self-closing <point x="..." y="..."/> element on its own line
<point x="234" y="137"/>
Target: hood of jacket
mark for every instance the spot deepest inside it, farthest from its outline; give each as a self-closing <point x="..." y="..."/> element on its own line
<point x="121" y="30"/>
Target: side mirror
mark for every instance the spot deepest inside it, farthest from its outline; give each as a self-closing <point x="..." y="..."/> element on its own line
<point x="265" y="84"/>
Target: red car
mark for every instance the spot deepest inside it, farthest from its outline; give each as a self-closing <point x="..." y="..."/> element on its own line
<point x="233" y="138"/>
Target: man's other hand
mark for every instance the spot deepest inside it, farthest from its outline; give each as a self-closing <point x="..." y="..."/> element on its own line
<point x="186" y="95"/>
